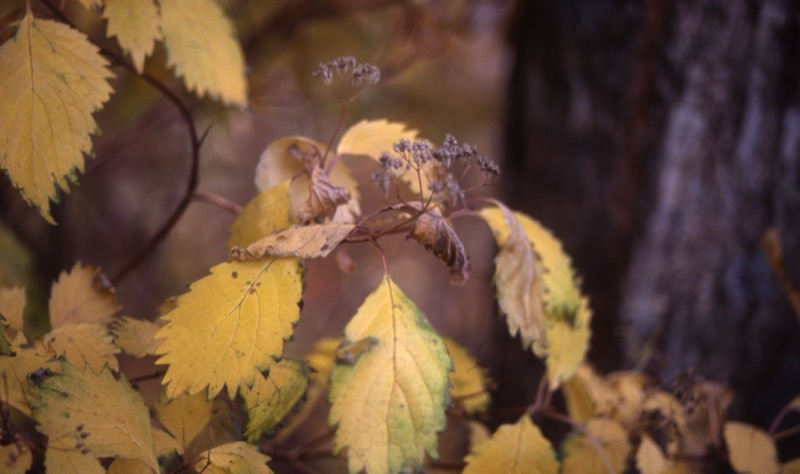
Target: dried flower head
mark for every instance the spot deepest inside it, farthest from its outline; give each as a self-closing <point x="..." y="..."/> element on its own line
<point x="347" y="76"/>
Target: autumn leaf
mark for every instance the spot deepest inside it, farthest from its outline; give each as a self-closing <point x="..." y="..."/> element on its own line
<point x="373" y="137"/>
<point x="53" y="79"/>
<point x="105" y="416"/>
<point x="135" y="337"/>
<point x="568" y="343"/>
<point x="12" y="307"/>
<point x="324" y="198"/>
<point x="609" y="449"/>
<point x="468" y="380"/>
<point x="791" y="467"/>
<point x="196" y="422"/>
<point x="297" y="241"/>
<point x="293" y="158"/>
<point x="202" y="47"/>
<point x="128" y="466"/>
<point x="649" y="457"/>
<point x="230" y="325"/>
<point x="79" y="296"/>
<point x="271" y="398"/>
<point x="67" y="456"/>
<point x="750" y="449"/>
<point x="137" y="26"/>
<point x="518" y="448"/>
<point x="14" y="372"/>
<point x="267" y="212"/>
<point x="165" y="444"/>
<point x="431" y="230"/>
<point x="233" y="458"/>
<point x="84" y="344"/>
<point x="389" y="403"/>
<point x="15" y="458"/>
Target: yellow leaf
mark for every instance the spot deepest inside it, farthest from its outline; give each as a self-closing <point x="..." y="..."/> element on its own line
<point x="373" y="137"/>
<point x="649" y="457"/>
<point x="389" y="403"/>
<point x="299" y="241"/>
<point x="84" y="344"/>
<point x="137" y="26"/>
<point x="80" y="296"/>
<point x="271" y="397"/>
<point x="103" y="414"/>
<point x="165" y="444"/>
<point x="568" y="342"/>
<point x="468" y="380"/>
<point x="230" y="325"/>
<point x="478" y="433"/>
<point x="578" y="396"/>
<point x="750" y="449"/>
<point x="581" y="455"/>
<point x="12" y="306"/>
<point x="67" y="456"/>
<point x="136" y="337"/>
<point x="196" y="423"/>
<point x="518" y="448"/>
<point x="232" y="458"/>
<point x="128" y="466"/>
<point x="267" y="212"/>
<point x="792" y="467"/>
<point x="281" y="161"/>
<point x="15" y="458"/>
<point x="53" y="79"/>
<point x="201" y="45"/>
<point x="14" y="370"/>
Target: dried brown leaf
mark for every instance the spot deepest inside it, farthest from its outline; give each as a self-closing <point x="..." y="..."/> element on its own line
<point x="297" y="241"/>
<point x="432" y="231"/>
<point x="323" y="198"/>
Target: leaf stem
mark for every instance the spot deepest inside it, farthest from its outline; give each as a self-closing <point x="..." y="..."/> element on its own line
<point x="218" y="201"/>
<point x="339" y="123"/>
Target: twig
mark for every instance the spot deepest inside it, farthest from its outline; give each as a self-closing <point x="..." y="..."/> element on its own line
<point x="218" y="201"/>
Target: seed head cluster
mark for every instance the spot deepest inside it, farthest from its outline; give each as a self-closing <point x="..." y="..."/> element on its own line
<point x="348" y="76"/>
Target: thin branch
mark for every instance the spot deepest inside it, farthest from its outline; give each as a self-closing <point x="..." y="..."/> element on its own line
<point x="218" y="201"/>
<point x="339" y="124"/>
<point x="786" y="433"/>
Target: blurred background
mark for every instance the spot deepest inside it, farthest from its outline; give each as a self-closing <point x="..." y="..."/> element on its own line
<point x="659" y="140"/>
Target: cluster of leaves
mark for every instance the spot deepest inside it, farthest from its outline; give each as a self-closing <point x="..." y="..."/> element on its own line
<point x="389" y="381"/>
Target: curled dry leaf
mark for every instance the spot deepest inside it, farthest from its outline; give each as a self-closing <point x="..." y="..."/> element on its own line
<point x="432" y="231"/>
<point x="296" y="241"/>
<point x="323" y="198"/>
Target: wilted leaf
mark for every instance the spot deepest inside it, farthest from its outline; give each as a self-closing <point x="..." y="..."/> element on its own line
<point x="373" y="137"/>
<point x="431" y="230"/>
<point x="202" y="46"/>
<point x="137" y="26"/>
<point x="468" y="380"/>
<point x="81" y="296"/>
<point x="299" y="241"/>
<point x="271" y="397"/>
<point x="14" y="371"/>
<point x="750" y="449"/>
<point x="649" y="457"/>
<point x="196" y="423"/>
<point x="53" y="79"/>
<point x="518" y="448"/>
<point x="233" y="458"/>
<point x="105" y="415"/>
<point x="15" y="458"/>
<point x="581" y="456"/>
<point x="287" y="158"/>
<point x="12" y="307"/>
<point x="324" y="198"/>
<point x="390" y="402"/>
<point x="136" y="337"/>
<point x="267" y="212"/>
<point x="84" y="344"/>
<point x="230" y="325"/>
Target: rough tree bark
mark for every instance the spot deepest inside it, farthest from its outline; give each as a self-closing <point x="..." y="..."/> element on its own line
<point x="660" y="140"/>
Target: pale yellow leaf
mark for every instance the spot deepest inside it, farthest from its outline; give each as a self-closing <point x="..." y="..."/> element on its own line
<point x="468" y="380"/>
<point x="611" y="446"/>
<point x="272" y="397"/>
<point x="230" y="325"/>
<point x="136" y="337"/>
<point x="99" y="412"/>
<point x="233" y="458"/>
<point x="649" y="457"/>
<point x="12" y="307"/>
<point x="14" y="372"/>
<point x="791" y="467"/>
<point x="137" y="26"/>
<point x="518" y="448"/>
<point x="81" y="296"/>
<point x="128" y="465"/>
<point x="751" y="450"/>
<point x="202" y="47"/>
<point x="165" y="444"/>
<point x="15" y="458"/>
<point x="389" y="403"/>
<point x="53" y="79"/>
<point x="84" y="344"/>
<point x="283" y="160"/>
<point x="299" y="241"/>
<point x="578" y="396"/>
<point x="478" y="433"/>
<point x="373" y="137"/>
<point x="67" y="456"/>
<point x="195" y="422"/>
<point x="567" y="344"/>
<point x="267" y="212"/>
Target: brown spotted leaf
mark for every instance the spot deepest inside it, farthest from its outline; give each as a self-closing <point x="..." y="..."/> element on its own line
<point x="324" y="198"/>
<point x="432" y="231"/>
<point x="297" y="241"/>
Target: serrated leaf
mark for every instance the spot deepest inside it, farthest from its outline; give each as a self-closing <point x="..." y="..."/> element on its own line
<point x="136" y="337"/>
<point x="15" y="458"/>
<point x="79" y="296"/>
<point x="389" y="404"/>
<point x="230" y="325"/>
<point x="84" y="344"/>
<point x="272" y="397"/>
<point x="267" y="212"/>
<point x="14" y="371"/>
<point x="281" y="161"/>
<point x="581" y="456"/>
<point x="750" y="450"/>
<point x="137" y="26"/>
<point x="310" y="241"/>
<point x="12" y="307"/>
<point x="518" y="448"/>
<point x="468" y="380"/>
<point x="202" y="47"/>
<point x="65" y="456"/>
<point x="233" y="458"/>
<point x="649" y="457"/>
<point x="373" y="137"/>
<point x="105" y="415"/>
<point x="53" y="79"/>
<point x="196" y="423"/>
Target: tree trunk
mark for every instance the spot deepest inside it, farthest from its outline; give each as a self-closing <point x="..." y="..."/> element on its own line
<point x="660" y="141"/>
